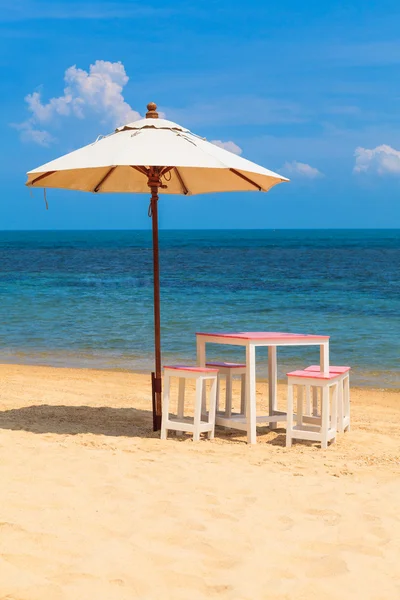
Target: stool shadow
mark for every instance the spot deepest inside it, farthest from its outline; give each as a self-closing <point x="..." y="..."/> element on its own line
<point x="238" y="436"/>
<point x="74" y="420"/>
<point x="280" y="438"/>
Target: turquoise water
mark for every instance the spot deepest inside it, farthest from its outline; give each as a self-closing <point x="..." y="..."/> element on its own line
<point x="85" y="298"/>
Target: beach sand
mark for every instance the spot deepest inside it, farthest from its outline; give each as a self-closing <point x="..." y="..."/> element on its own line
<point x="93" y="506"/>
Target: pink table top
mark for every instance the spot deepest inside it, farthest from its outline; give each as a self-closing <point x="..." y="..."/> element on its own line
<point x="228" y="365"/>
<point x="189" y="368"/>
<point x="255" y="336"/>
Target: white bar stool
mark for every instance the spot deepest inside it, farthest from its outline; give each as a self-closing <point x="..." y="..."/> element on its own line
<point x="343" y="396"/>
<point x="180" y="423"/>
<point x="229" y="371"/>
<point x="323" y="429"/>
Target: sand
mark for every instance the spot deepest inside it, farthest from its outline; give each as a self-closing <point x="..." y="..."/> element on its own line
<point x="93" y="506"/>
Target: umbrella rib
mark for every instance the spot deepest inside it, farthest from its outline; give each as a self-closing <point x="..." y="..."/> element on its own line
<point x="165" y="170"/>
<point x="106" y="176"/>
<point x="41" y="177"/>
<point x="246" y="179"/>
<point x="141" y="170"/>
<point x="183" y="186"/>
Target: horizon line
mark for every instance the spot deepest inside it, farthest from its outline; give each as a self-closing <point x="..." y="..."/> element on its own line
<point x="208" y="229"/>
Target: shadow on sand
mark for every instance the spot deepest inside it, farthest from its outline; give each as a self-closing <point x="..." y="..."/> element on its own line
<point x="73" y="420"/>
<point x="109" y="421"/>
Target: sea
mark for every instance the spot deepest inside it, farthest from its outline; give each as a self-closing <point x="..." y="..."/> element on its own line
<point x="85" y="298"/>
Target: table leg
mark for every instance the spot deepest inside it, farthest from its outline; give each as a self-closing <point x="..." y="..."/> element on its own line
<point x="272" y="383"/>
<point x="201" y="362"/>
<point x="201" y="352"/>
<point x="324" y="357"/>
<point x="251" y="402"/>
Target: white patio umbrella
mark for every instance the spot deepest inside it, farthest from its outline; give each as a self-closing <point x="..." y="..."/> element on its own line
<point x="165" y="157"/>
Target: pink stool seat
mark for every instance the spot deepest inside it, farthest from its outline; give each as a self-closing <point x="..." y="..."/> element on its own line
<point x="332" y="369"/>
<point x="226" y="365"/>
<point x="313" y="375"/>
<point x="191" y="369"/>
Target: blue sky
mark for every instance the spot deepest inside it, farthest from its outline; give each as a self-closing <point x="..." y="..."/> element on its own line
<point x="310" y="89"/>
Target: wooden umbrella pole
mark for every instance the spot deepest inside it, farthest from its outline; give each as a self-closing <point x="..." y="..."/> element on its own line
<point x="154" y="182"/>
<point x="156" y="384"/>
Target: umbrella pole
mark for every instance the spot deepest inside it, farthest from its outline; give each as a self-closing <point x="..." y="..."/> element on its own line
<point x="156" y="385"/>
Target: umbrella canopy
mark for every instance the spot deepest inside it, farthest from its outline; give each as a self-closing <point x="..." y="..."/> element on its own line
<point x="165" y="157"/>
<point x="115" y="163"/>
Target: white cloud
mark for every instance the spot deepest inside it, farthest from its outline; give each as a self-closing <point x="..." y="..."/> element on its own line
<point x="382" y="160"/>
<point x="29" y="134"/>
<point x="97" y="91"/>
<point x="230" y="146"/>
<point x="301" y="170"/>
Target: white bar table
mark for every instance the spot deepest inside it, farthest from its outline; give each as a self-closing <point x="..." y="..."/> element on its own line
<point x="252" y="340"/>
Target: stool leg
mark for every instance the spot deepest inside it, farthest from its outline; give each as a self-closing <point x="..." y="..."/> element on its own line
<point x="218" y="392"/>
<point x="181" y="402"/>
<point x="243" y="395"/>
<point x="228" y="395"/>
<point x="213" y="405"/>
<point x="289" y="420"/>
<point x="325" y="417"/>
<point x="340" y="406"/>
<point x="204" y="402"/>
<point x="299" y="417"/>
<point x="346" y="385"/>
<point x="165" y="409"/>
<point x="198" y="409"/>
<point x="308" y="401"/>
<point x="315" y="401"/>
<point x="251" y="400"/>
<point x="335" y="397"/>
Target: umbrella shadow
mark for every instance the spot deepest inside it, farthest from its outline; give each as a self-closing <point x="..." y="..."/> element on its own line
<point x="75" y="420"/>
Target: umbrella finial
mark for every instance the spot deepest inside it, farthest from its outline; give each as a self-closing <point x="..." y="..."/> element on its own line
<point x="152" y="111"/>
